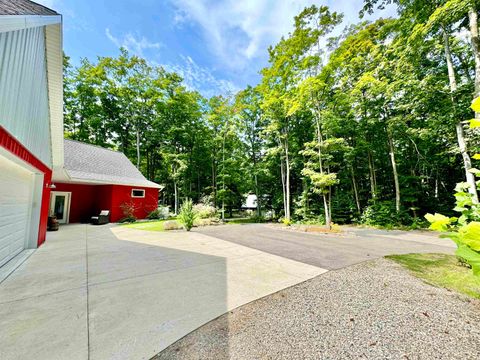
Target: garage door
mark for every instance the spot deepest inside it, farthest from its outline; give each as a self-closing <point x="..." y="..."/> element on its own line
<point x="16" y="186"/>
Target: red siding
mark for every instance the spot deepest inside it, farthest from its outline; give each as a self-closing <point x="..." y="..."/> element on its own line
<point x="83" y="201"/>
<point x="12" y="145"/>
<point x="143" y="206"/>
<point x="89" y="200"/>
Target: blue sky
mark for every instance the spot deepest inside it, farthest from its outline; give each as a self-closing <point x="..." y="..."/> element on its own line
<point x="217" y="46"/>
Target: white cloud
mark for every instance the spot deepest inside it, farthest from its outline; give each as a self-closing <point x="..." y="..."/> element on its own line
<point x="195" y="76"/>
<point x="135" y="44"/>
<point x="239" y="31"/>
<point x="200" y="78"/>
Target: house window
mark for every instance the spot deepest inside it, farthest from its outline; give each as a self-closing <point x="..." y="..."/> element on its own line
<point x="138" y="193"/>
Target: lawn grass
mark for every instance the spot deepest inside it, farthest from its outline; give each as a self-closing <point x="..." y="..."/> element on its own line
<point x="239" y="221"/>
<point x="154" y="225"/>
<point x="441" y="270"/>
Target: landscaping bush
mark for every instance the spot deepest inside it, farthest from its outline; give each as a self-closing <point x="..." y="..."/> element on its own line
<point x="161" y="213"/>
<point x="128" y="210"/>
<point x="257" y="219"/>
<point x="205" y="211"/>
<point x="164" y="212"/>
<point x="384" y="214"/>
<point x="187" y="215"/>
<point x="171" y="225"/>
<point x="154" y="215"/>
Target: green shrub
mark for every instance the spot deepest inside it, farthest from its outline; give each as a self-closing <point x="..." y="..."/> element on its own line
<point x="384" y="214"/>
<point x="154" y="215"/>
<point x="187" y="215"/>
<point x="160" y="213"/>
<point x="205" y="211"/>
<point x="257" y="219"/>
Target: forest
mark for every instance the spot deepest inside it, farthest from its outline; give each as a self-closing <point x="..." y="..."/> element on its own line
<point x="367" y="123"/>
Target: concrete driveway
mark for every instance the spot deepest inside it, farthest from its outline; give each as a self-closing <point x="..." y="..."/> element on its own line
<point x="109" y="292"/>
<point x="330" y="251"/>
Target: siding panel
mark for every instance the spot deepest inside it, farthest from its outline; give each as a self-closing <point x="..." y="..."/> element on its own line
<point x="24" y="108"/>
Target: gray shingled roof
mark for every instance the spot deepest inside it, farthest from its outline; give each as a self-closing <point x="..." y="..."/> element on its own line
<point x="90" y="163"/>
<point x="24" y="7"/>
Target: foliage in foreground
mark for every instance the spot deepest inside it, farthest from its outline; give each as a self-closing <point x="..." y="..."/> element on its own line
<point x="187" y="215"/>
<point x="441" y="270"/>
<point x="464" y="230"/>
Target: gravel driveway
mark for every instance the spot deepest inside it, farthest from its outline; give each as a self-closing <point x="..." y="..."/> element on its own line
<point x="372" y="310"/>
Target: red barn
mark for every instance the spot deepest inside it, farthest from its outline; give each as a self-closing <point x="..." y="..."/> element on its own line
<point x="93" y="179"/>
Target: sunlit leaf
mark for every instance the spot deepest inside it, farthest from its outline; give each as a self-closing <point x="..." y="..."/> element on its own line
<point x="476" y="105"/>
<point x="474" y="123"/>
<point x="438" y="222"/>
<point x="470" y="235"/>
<point x="472" y="257"/>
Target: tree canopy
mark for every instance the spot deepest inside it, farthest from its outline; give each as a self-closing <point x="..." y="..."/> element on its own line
<point x="363" y="124"/>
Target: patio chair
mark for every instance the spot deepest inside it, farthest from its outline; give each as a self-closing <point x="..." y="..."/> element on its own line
<point x="103" y="218"/>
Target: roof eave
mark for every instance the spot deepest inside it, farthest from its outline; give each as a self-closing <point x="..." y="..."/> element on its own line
<point x="20" y="22"/>
<point x="73" y="180"/>
<point x="54" y="57"/>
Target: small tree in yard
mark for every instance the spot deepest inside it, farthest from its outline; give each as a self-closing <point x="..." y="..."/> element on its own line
<point x="187" y="214"/>
<point x="128" y="210"/>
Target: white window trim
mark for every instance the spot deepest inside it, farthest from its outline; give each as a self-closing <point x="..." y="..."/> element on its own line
<point x="134" y="196"/>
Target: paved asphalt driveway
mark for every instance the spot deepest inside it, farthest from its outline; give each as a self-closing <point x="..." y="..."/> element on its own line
<point x="330" y="251"/>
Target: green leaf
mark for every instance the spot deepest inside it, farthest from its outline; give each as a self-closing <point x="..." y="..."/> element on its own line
<point x="474" y="123"/>
<point x="438" y="222"/>
<point x="470" y="235"/>
<point x="476" y="105"/>
<point x="472" y="257"/>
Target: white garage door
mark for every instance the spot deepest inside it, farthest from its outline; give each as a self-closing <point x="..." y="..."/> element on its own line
<point x="16" y="186"/>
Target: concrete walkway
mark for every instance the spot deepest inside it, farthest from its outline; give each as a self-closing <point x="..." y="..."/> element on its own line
<point x="115" y="293"/>
<point x="330" y="251"/>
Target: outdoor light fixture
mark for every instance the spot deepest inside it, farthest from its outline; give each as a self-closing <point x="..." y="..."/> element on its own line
<point x="50" y="186"/>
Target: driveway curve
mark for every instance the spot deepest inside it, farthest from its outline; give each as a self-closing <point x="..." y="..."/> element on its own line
<point x="330" y="251"/>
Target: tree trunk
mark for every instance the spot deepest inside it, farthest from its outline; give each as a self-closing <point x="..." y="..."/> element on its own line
<point x="287" y="181"/>
<point x="138" y="147"/>
<point x="373" y="180"/>
<point x="214" y="186"/>
<point x="259" y="208"/>
<point x="282" y="173"/>
<point x="326" y="203"/>
<point x="395" y="172"/>
<point x="472" y="186"/>
<point x="462" y="145"/>
<point x="355" y="191"/>
<point x="223" y="179"/>
<point x="175" y="191"/>
<point x="475" y="39"/>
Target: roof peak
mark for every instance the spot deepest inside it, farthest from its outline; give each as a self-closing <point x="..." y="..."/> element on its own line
<point x="95" y="145"/>
<point x="24" y="7"/>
